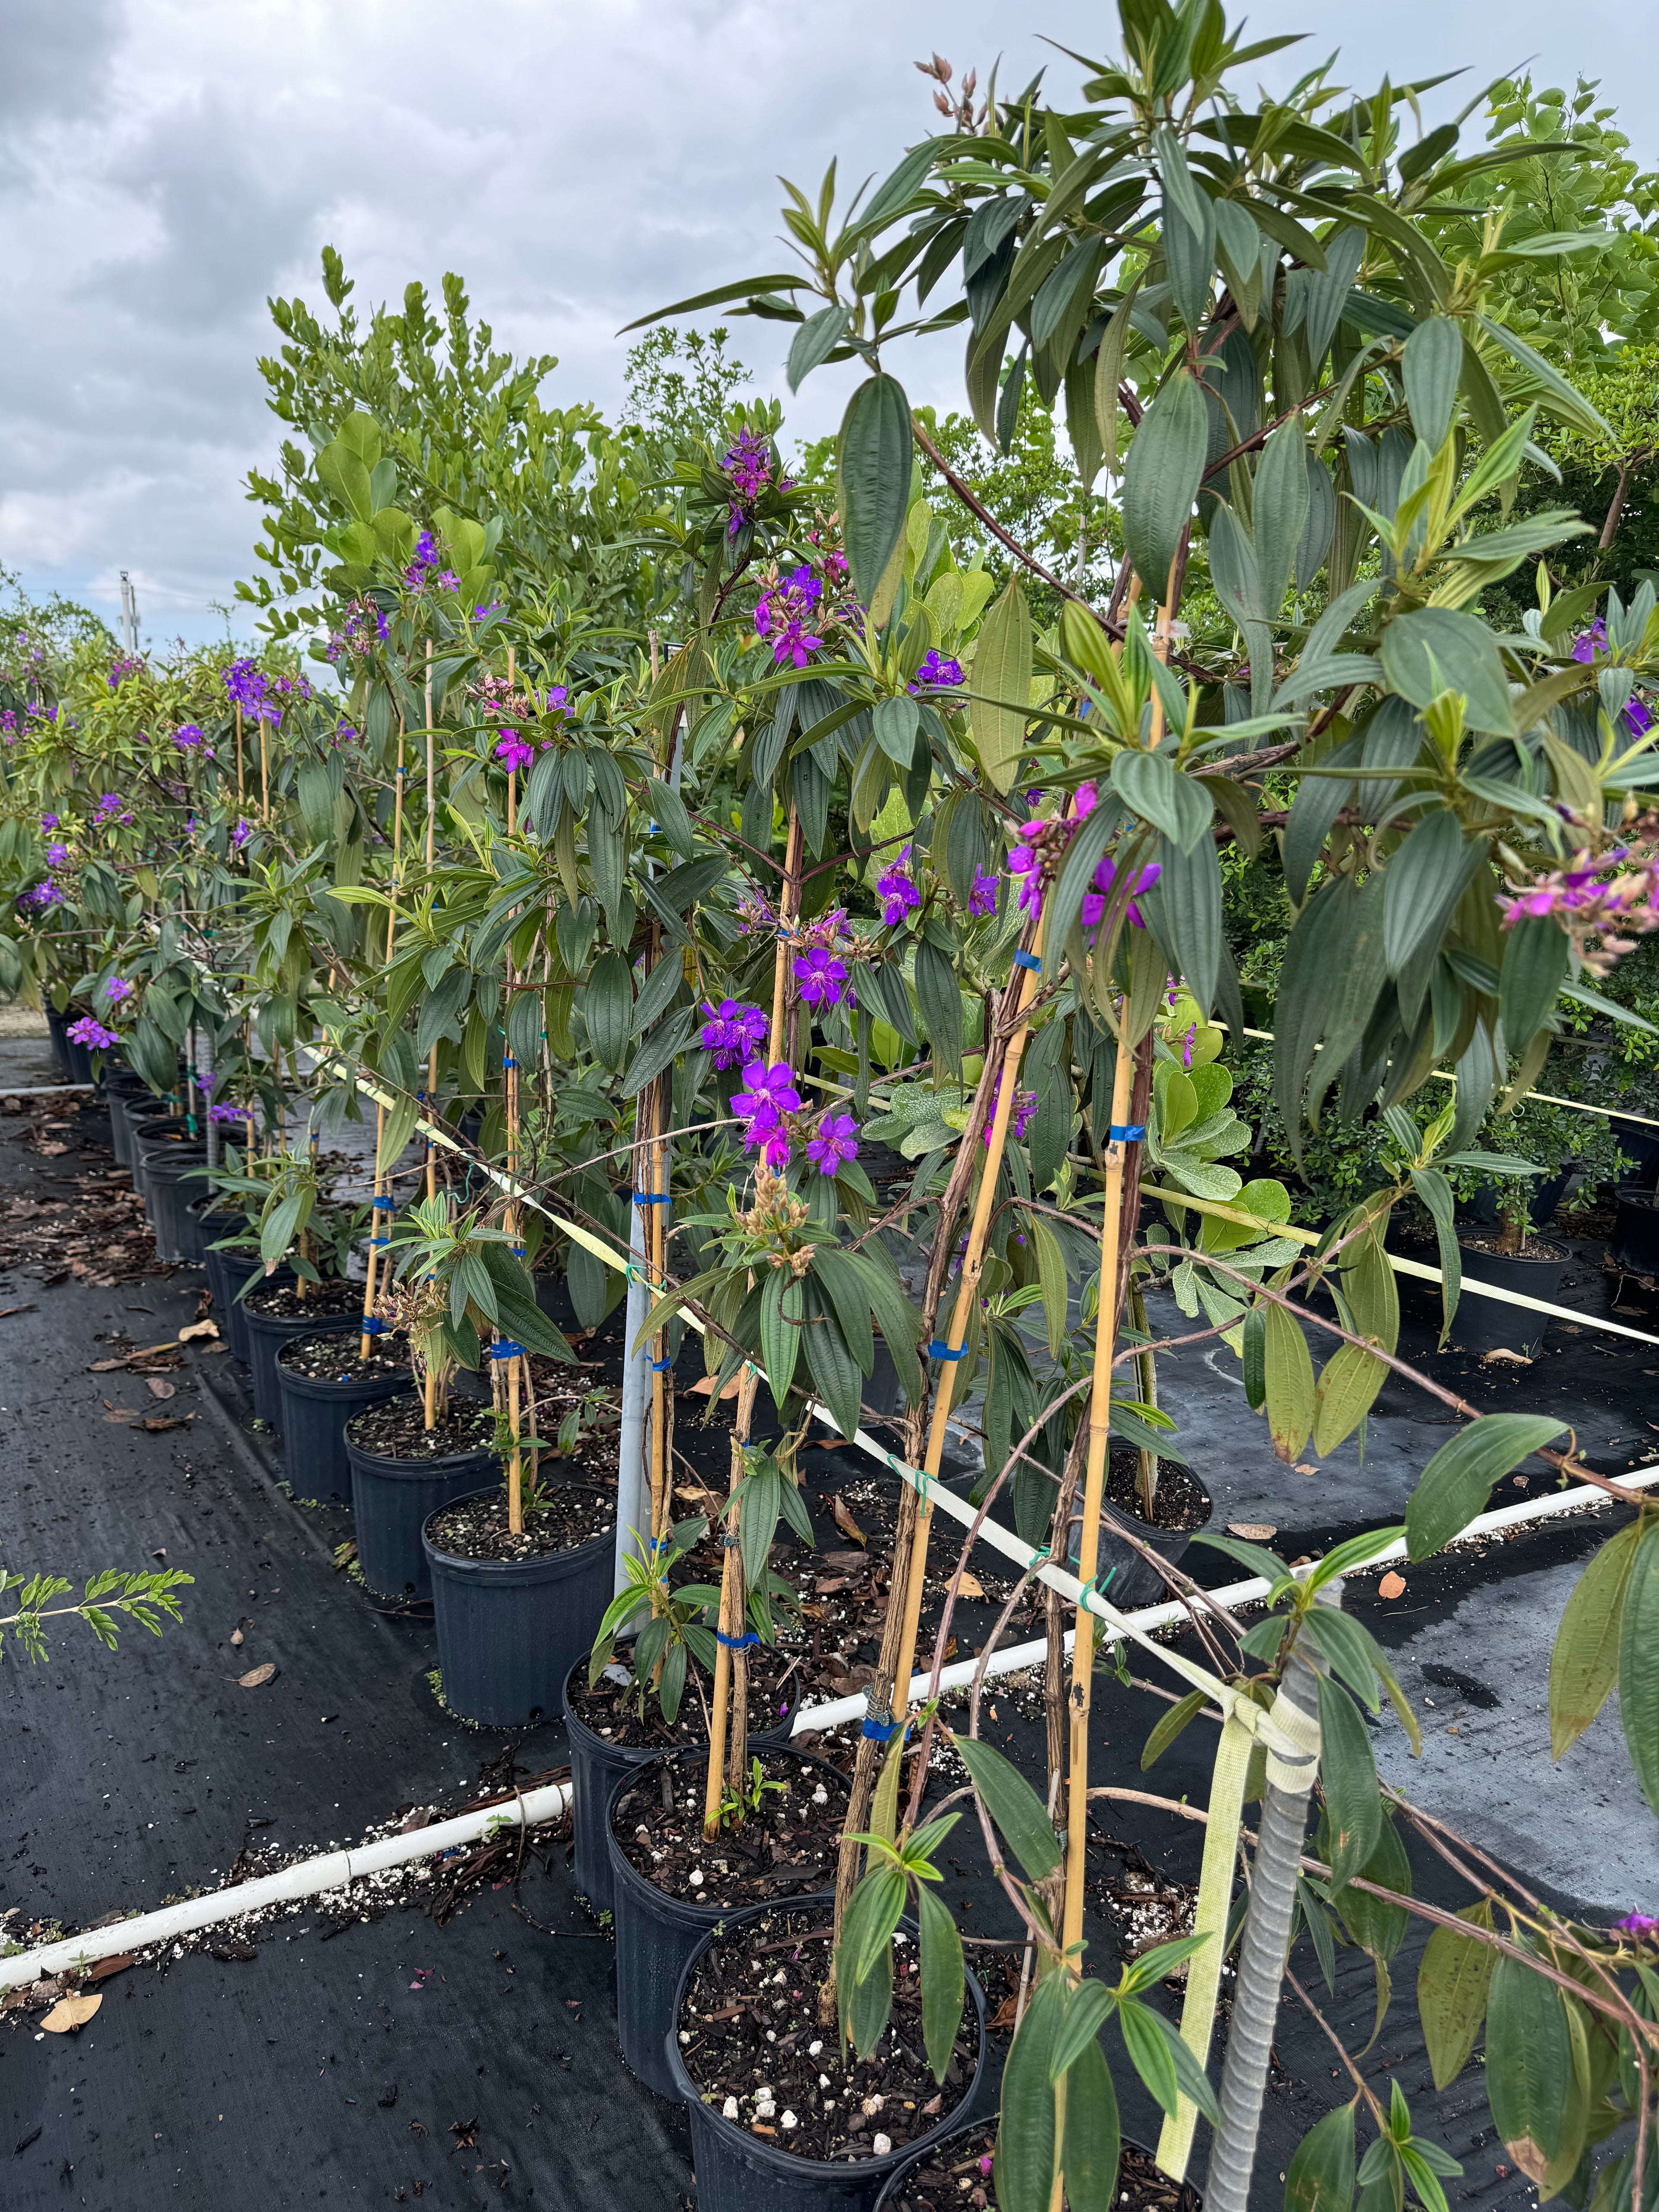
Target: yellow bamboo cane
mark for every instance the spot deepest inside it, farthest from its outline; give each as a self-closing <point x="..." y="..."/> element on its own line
<point x="366" y="1338"/>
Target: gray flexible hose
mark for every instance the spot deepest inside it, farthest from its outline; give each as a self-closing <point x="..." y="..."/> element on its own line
<point x="1266" y="1946"/>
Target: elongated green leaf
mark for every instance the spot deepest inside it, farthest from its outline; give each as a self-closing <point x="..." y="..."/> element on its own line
<point x="1002" y="680"/>
<point x="1584" y="1661"/>
<point x="1051" y="1275"/>
<point x="1092" y="2143"/>
<point x="1435" y="1193"/>
<point x="1535" y="956"/>
<point x="1320" y="2176"/>
<point x="1555" y="394"/>
<point x="1013" y="1805"/>
<point x="607" y="1005"/>
<point x="1169" y="1726"/>
<point x="1347" y="1390"/>
<point x="1290" y="1383"/>
<point x="1435" y="649"/>
<point x="875" y="478"/>
<point x="1433" y="368"/>
<point x="782" y="1309"/>
<point x="659" y="1050"/>
<point x="835" y="1371"/>
<point x="939" y="1000"/>
<point x="1088" y="2007"/>
<point x="1348" y="1774"/>
<point x="815" y="341"/>
<point x="941" y="1979"/>
<point x="1451" y="1993"/>
<point x="1639" y="1664"/>
<point x="1157" y="790"/>
<point x="1161" y="477"/>
<point x="837" y="1273"/>
<point x="1279" y="513"/>
<point x="1456" y="1482"/>
<point x="1424" y="880"/>
<point x="1531" y="2076"/>
<point x="1025" y="2168"/>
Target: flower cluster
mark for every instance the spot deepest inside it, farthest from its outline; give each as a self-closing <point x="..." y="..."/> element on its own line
<point x="38" y="897"/>
<point x="222" y="1114"/>
<point x="897" y="892"/>
<point x="92" y="1034"/>
<point x="365" y="626"/>
<point x="1643" y="1926"/>
<point x="110" y="813"/>
<point x="118" y="988"/>
<point x="1097" y="898"/>
<point x="1588" y="899"/>
<point x="749" y="463"/>
<point x="1040" y="845"/>
<point x="240" y="834"/>
<point x="785" y="607"/>
<point x="769" y="1095"/>
<point x="57" y="854"/>
<point x="123" y="665"/>
<point x="512" y="751"/>
<point x="732" y="1033"/>
<point x="936" y="673"/>
<point x="187" y="736"/>
<point x="249" y="688"/>
<point x="1019" y="1117"/>
<point x="1638" y="716"/>
<point x="418" y="575"/>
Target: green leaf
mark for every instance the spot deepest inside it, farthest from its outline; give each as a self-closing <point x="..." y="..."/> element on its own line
<point x="1092" y="2142"/>
<point x="1025" y="2168"/>
<point x="1349" y="1772"/>
<point x="837" y="1273"/>
<point x="1639" y="1664"/>
<point x="782" y="1309"/>
<point x="1279" y="513"/>
<point x="941" y="1979"/>
<point x="1014" y="1806"/>
<point x="1451" y="1993"/>
<point x="1290" y="1383"/>
<point x="607" y="1005"/>
<point x="1433" y="366"/>
<point x="1554" y="392"/>
<point x="1376" y="1925"/>
<point x="1456" y="1482"/>
<point x="1162" y="795"/>
<point x="939" y="1000"/>
<point x="1435" y="1193"/>
<point x="895" y="722"/>
<point x="875" y="478"/>
<point x="815" y="341"/>
<point x="835" y="1371"/>
<point x="1089" y="2005"/>
<point x="1531" y="2075"/>
<point x="1535" y="958"/>
<point x="1426" y="879"/>
<point x="1161" y="477"/>
<point x="1584" y="1661"/>
<point x="1435" y="649"/>
<point x="1347" y="1390"/>
<point x="1002" y="680"/>
<point x="1320" y="2176"/>
<point x="1170" y="1725"/>
<point x="1051" y="1275"/>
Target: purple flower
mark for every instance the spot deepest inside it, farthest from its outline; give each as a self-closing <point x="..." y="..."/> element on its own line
<point x="513" y="751"/>
<point x="820" y="976"/>
<point x="109" y="808"/>
<point x="771" y="1094"/>
<point x="982" y="899"/>
<point x="782" y="612"/>
<point x="1641" y="1925"/>
<point x="897" y="892"/>
<point x="936" y="673"/>
<point x="226" y="1113"/>
<point x="250" y="690"/>
<point x="121" y="667"/>
<point x="426" y="559"/>
<point x="40" y="896"/>
<point x="838" y="1140"/>
<point x="557" y="696"/>
<point x="51" y="822"/>
<point x="118" y="988"/>
<point x="749" y="465"/>
<point x="55" y="855"/>
<point x="1637" y="717"/>
<point x="1095" y="900"/>
<point x="239" y="836"/>
<point x="732" y="1032"/>
<point x="92" y="1034"/>
<point x="186" y="735"/>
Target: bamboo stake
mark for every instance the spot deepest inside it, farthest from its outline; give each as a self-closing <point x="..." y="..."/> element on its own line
<point x="264" y="769"/>
<point x="366" y="1336"/>
<point x="510" y="1085"/>
<point x="239" y="755"/>
<point x="432" y="1057"/>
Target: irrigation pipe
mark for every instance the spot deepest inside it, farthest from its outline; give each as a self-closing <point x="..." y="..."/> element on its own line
<point x="1015" y="1658"/>
<point x="335" y="1869"/>
<point x="331" y="1871"/>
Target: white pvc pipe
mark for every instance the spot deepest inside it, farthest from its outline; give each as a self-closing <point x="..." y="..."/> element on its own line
<point x="331" y="1871"/>
<point x="1015" y="1658"/>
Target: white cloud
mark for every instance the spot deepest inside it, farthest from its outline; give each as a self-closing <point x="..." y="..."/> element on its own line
<point x="167" y="164"/>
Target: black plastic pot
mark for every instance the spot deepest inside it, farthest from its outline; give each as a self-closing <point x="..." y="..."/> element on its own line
<point x="1640" y="1147"/>
<point x="313" y="1415"/>
<point x="171" y="1180"/>
<point x="394" y="1499"/>
<point x="1124" y="1578"/>
<point x="597" y="1765"/>
<point x="737" y="2171"/>
<point x="268" y="1333"/>
<point x="200" y="1220"/>
<point x="1490" y="1324"/>
<point x="125" y="1094"/>
<point x="657" y="1933"/>
<point x="1546" y="1193"/>
<point x="147" y="1121"/>
<point x="1635" y="1242"/>
<point x="57" y="1025"/>
<point x="158" y="1137"/>
<point x="510" y="1630"/>
<point x="918" y="2154"/>
<point x="227" y="1272"/>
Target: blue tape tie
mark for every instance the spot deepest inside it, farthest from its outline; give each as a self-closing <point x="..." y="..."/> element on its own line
<point x="649" y="1197"/>
<point x="508" y="1061"/>
<point x="381" y="1205"/>
<point x="880" y="1729"/>
<point x="379" y="1244"/>
<point x="373" y="1326"/>
<point x="507" y="1351"/>
<point x="661" y="1366"/>
<point x="938" y="1350"/>
<point x="1126" y="1132"/>
<point x="1029" y="960"/>
<point x="737" y="1643"/>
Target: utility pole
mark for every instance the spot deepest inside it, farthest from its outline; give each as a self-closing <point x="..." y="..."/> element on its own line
<point x="129" y="614"/>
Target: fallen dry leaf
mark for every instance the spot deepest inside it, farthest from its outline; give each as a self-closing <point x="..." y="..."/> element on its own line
<point x="705" y="1389"/>
<point x="122" y="1415"/>
<point x="5" y="1311"/>
<point x="106" y="1967"/>
<point x="170" y="1421"/>
<point x="105" y="1366"/>
<point x="1252" y="1532"/>
<point x="157" y="1388"/>
<point x="70" y="2013"/>
<point x="1306" y="1467"/>
<point x="1511" y="1359"/>
<point x="51" y="1152"/>
<point x="256" y="1676"/>
<point x="236" y="1636"/>
<point x="196" y="1329"/>
<point x="845" y="1521"/>
<point x="1392" y="1585"/>
<point x="969" y="1585"/>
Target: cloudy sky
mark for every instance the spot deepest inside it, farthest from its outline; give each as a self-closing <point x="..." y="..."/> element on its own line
<point x="165" y="165"/>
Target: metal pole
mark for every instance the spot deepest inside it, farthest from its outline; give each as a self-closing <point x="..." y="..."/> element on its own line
<point x="129" y="614"/>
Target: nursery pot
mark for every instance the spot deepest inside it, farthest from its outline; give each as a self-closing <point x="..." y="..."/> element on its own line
<point x="147" y="1124"/>
<point x="656" y="1936"/>
<point x="597" y="1765"/>
<point x="61" y="1047"/>
<point x="509" y="1629"/>
<point x="169" y="1189"/>
<point x="201" y="1220"/>
<point x="394" y="1499"/>
<point x="1483" y="1324"/>
<point x="126" y="1093"/>
<point x="1635" y="1243"/>
<point x="227" y="1272"/>
<point x="737" y="2171"/>
<point x="312" y="1417"/>
<point x="268" y="1333"/>
<point x="1123" y="1577"/>
<point x="1640" y="1147"/>
<point x="1544" y="1195"/>
<point x="918" y="2155"/>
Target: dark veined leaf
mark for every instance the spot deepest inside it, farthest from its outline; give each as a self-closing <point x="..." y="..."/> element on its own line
<point x="1435" y="649"/>
<point x="1433" y="368"/>
<point x="782" y="1309"/>
<point x="1157" y="790"/>
<point x="1289" y="1382"/>
<point x="1584" y="1661"/>
<point x="941" y="1979"/>
<point x="1169" y="1726"/>
<point x="1278" y="511"/>
<point x="1435" y="1193"/>
<point x="1161" y="477"/>
<point x="1023" y="2173"/>
<point x="835" y="1371"/>
<point x="1092" y="2143"/>
<point x="1001" y="681"/>
<point x="1013" y="1805"/>
<point x="875" y="478"/>
<point x="1639" y="1664"/>
<point x="1348" y="1774"/>
<point x="1088" y="2007"/>
<point x="1375" y="1924"/>
<point x="872" y="1914"/>
<point x="1451" y="1993"/>
<point x="1424" y="880"/>
<point x="848" y="1294"/>
<point x="1531" y="2074"/>
<point x="607" y="1006"/>
<point x="1455" y="1484"/>
<point x="1320" y="2176"/>
<point x="1535" y="956"/>
<point x="814" y="342"/>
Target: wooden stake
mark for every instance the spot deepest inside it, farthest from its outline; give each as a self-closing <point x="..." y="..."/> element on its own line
<point x="432" y="1057"/>
<point x="382" y="1177"/>
<point x="514" y="1470"/>
<point x="239" y="755"/>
